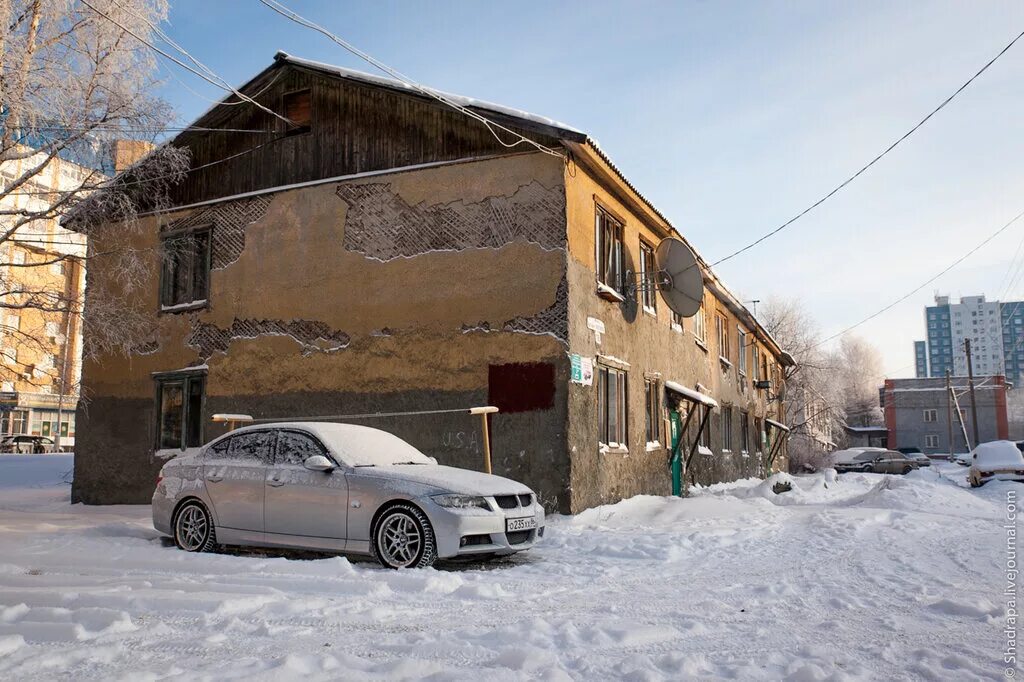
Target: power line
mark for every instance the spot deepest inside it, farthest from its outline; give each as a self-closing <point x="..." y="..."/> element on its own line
<point x="430" y="92"/>
<point x="871" y="163"/>
<point x="185" y="66"/>
<point x="926" y="283"/>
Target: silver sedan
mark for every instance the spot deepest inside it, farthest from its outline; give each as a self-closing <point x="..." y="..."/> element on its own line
<point x="339" y="488"/>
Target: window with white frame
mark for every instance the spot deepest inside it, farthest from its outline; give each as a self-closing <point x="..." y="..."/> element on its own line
<point x="700" y="324"/>
<point x="744" y="432"/>
<point x="648" y="286"/>
<point x="609" y="250"/>
<point x="756" y="362"/>
<point x="612" y="394"/>
<point x="930" y="415"/>
<point x="741" y="349"/>
<point x="652" y="400"/>
<point x="931" y="440"/>
<point x="722" y="332"/>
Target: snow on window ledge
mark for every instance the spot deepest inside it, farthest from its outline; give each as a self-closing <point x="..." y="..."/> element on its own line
<point x="606" y="292"/>
<point x="704" y="450"/>
<point x="700" y="343"/>
<point x="613" y="449"/>
<point x="744" y="454"/>
<point x="677" y="328"/>
<point x="179" y="307"/>
<point x="654" y="446"/>
<point x="725" y="361"/>
<point x="650" y="311"/>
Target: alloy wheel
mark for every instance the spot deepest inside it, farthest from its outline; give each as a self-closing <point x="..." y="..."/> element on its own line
<point x="399" y="540"/>
<point x="192" y="528"/>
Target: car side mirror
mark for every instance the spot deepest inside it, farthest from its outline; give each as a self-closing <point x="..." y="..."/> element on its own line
<point x="318" y="463"/>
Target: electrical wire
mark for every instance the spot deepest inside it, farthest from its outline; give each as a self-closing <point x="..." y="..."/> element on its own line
<point x="925" y="283"/>
<point x="873" y="161"/>
<point x="185" y="66"/>
<point x="430" y="92"/>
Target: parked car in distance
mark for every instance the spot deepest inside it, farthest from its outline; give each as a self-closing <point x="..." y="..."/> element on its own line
<point x="27" y="444"/>
<point x="853" y="459"/>
<point x="963" y="458"/>
<point x="340" y="488"/>
<point x="999" y="460"/>
<point x="874" y="460"/>
<point x="921" y="459"/>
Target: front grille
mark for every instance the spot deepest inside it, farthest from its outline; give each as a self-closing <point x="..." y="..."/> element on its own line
<point x="519" y="537"/>
<point x="506" y="501"/>
<point x="525" y="500"/>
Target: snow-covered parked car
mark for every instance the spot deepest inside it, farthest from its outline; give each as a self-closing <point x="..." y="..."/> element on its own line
<point x="915" y="454"/>
<point x="339" y="488"/>
<point x="999" y="460"/>
<point x="874" y="460"/>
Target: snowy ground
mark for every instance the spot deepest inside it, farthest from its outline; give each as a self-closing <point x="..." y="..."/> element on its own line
<point x="871" y="577"/>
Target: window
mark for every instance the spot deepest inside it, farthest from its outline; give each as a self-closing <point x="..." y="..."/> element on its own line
<point x="700" y="326"/>
<point x="255" y="447"/>
<point x="652" y="398"/>
<point x="298" y="108"/>
<point x="756" y="361"/>
<point x="722" y="331"/>
<point x="179" y="411"/>
<point x="929" y="415"/>
<point x="648" y="276"/>
<point x="611" y="406"/>
<point x="609" y="251"/>
<point x="758" y="434"/>
<point x="186" y="268"/>
<point x="744" y="432"/>
<point x="727" y="428"/>
<point x="677" y="322"/>
<point x="295" y="448"/>
<point x="931" y="440"/>
<point x="741" y="348"/>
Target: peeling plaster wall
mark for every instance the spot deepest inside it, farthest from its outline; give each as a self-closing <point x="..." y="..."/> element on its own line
<point x="391" y="293"/>
<point x="652" y="348"/>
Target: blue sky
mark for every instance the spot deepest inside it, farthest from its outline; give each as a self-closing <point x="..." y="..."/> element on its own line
<point x="731" y="117"/>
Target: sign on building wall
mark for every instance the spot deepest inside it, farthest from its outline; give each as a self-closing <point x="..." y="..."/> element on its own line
<point x="582" y="370"/>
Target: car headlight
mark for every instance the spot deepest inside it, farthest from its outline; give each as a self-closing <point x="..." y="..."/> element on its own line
<point x="461" y="501"/>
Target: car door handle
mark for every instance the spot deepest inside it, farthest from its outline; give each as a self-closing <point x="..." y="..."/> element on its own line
<point x="214" y="478"/>
<point x="276" y="482"/>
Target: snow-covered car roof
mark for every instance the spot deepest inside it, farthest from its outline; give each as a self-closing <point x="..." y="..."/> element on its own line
<point x="853" y="454"/>
<point x="997" y="454"/>
<point x="356" y="445"/>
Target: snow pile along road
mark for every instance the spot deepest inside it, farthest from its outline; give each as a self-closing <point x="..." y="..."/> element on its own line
<point x="860" y="577"/>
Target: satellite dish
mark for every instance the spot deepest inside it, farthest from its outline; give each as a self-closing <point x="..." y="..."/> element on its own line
<point x="679" y="277"/>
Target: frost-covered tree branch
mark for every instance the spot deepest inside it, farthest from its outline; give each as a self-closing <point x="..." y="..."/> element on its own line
<point x="74" y="84"/>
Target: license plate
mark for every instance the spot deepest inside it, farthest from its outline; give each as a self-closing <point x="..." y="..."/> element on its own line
<point x="513" y="525"/>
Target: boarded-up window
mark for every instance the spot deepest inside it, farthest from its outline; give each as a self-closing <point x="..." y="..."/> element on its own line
<point x="298" y="108"/>
<point x="521" y="386"/>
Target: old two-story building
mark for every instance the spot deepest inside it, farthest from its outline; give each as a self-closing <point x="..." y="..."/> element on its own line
<point x="384" y="252"/>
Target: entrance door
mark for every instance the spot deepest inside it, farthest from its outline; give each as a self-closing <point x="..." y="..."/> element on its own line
<point x="305" y="508"/>
<point x="675" y="419"/>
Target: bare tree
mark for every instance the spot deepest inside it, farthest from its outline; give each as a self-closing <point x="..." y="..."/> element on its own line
<point x="814" y="404"/>
<point x="74" y="80"/>
<point x="860" y="370"/>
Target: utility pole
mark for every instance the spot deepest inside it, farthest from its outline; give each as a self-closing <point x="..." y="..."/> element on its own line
<point x="949" y="414"/>
<point x="970" y="384"/>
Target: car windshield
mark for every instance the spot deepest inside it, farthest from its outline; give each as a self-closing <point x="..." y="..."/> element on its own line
<point x="365" y="446"/>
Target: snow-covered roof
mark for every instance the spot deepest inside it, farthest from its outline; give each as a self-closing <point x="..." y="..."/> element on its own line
<point x="352" y="74"/>
<point x="779" y="425"/>
<point x="866" y="429"/>
<point x="691" y="394"/>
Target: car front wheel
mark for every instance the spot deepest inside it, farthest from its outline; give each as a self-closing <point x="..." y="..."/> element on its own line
<point x="403" y="538"/>
<point x="193" y="528"/>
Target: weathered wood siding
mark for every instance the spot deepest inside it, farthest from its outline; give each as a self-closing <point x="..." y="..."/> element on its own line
<point x="356" y="128"/>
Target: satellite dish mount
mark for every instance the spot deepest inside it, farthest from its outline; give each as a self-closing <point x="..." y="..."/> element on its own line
<point x="677" y="276"/>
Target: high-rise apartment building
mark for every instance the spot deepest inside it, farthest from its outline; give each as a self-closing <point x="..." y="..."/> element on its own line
<point x="995" y="329"/>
